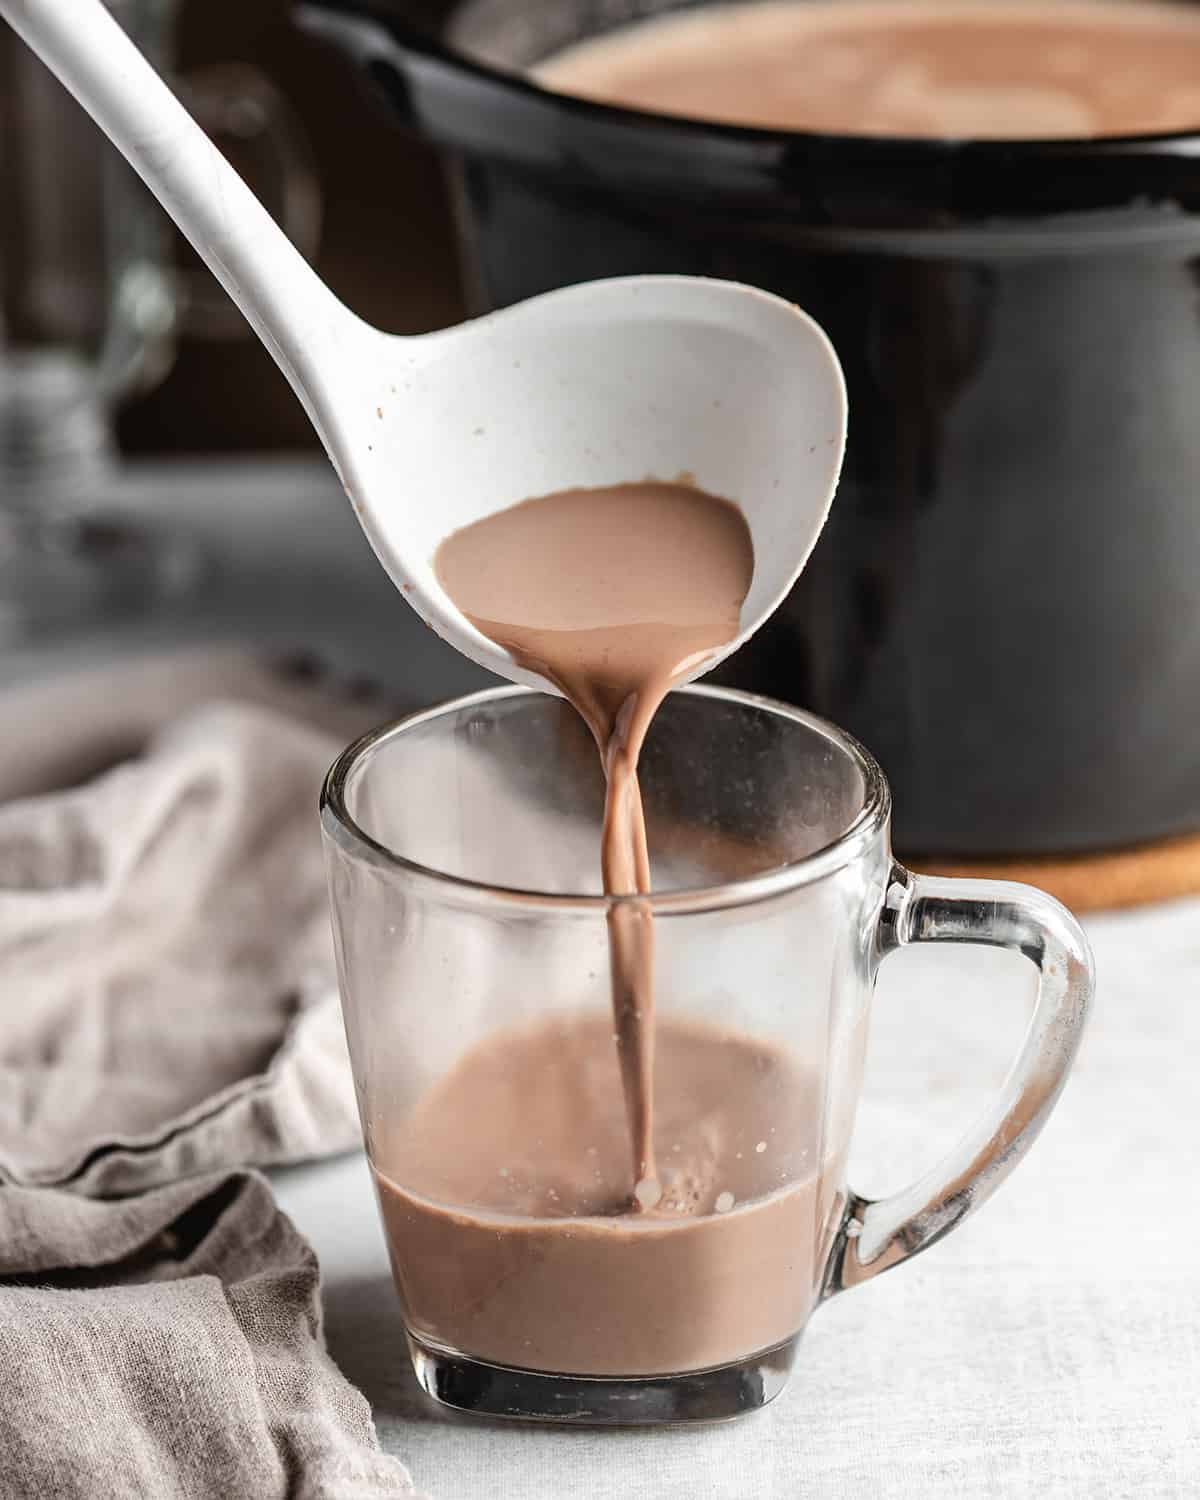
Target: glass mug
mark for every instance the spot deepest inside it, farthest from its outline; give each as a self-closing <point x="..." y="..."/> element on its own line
<point x="92" y="304"/>
<point x="462" y="848"/>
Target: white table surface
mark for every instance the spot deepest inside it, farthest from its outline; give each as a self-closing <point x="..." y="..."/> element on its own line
<point x="279" y="563"/>
<point x="1050" y="1347"/>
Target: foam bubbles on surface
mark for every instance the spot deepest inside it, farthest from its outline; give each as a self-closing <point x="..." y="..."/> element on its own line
<point x="648" y="1193"/>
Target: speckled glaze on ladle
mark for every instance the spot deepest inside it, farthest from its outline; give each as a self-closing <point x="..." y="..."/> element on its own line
<point x="596" y="384"/>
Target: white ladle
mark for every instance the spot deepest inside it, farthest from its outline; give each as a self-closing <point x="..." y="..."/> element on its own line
<point x="606" y="382"/>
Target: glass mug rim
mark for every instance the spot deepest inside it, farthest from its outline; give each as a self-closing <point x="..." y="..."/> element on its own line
<point x="868" y="823"/>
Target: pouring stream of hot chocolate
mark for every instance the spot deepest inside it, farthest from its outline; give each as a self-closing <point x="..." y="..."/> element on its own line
<point x="612" y="595"/>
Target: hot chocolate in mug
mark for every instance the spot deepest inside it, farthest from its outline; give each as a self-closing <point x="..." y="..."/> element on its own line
<point x="472" y="947"/>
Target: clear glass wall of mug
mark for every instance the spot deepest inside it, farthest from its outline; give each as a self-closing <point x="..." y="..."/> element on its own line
<point x="91" y="304"/>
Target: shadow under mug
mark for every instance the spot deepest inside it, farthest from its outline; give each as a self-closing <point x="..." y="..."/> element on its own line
<point x="462" y="849"/>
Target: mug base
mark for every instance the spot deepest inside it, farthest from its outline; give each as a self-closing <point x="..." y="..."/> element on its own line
<point x="714" y="1395"/>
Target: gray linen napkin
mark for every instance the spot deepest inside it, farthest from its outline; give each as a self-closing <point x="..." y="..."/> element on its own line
<point x="167" y="1347"/>
<point x="167" y="994"/>
<point x="168" y="1006"/>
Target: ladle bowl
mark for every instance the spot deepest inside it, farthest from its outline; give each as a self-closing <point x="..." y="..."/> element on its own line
<point x="673" y="377"/>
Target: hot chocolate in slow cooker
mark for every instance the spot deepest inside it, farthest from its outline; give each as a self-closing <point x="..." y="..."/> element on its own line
<point x="1005" y="605"/>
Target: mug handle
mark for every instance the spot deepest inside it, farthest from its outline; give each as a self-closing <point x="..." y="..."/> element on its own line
<point x="877" y="1234"/>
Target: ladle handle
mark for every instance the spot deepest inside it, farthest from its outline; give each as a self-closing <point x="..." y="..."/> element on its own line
<point x="287" y="304"/>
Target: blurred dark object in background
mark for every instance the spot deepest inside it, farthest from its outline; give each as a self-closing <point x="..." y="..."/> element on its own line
<point x="386" y="247"/>
<point x="1003" y="605"/>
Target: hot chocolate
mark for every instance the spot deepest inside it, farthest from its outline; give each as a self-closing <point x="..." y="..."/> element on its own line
<point x="558" y="1201"/>
<point x="613" y="595"/>
<point x="974" y="68"/>
<point x="546" y="1268"/>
